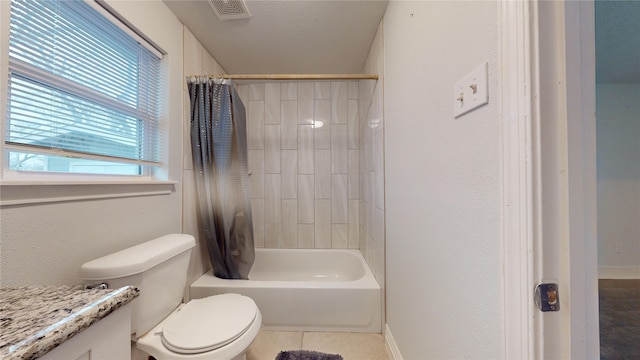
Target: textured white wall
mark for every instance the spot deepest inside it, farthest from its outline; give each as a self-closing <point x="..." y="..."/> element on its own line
<point x="47" y="243"/>
<point x="442" y="182"/>
<point x="304" y="179"/>
<point x="618" y="159"/>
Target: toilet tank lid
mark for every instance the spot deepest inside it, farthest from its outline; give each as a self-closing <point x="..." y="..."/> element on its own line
<point x="136" y="259"/>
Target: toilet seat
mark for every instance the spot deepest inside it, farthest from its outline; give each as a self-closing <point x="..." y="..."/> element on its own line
<point x="206" y="324"/>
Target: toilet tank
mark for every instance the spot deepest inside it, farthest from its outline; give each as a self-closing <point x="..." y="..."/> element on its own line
<point x="157" y="267"/>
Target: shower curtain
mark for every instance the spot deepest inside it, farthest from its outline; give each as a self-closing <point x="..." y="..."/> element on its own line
<point x="219" y="148"/>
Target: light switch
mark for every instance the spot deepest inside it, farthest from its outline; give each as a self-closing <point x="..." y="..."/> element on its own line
<point x="471" y="92"/>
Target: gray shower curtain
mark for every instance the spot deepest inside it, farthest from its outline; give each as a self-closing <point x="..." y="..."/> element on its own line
<point x="219" y="148"/>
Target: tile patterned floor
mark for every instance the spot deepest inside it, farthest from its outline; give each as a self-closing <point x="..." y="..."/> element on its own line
<point x="619" y="332"/>
<point x="619" y="319"/>
<point x="352" y="346"/>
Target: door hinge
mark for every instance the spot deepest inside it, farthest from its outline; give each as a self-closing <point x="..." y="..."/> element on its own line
<point x="546" y="297"/>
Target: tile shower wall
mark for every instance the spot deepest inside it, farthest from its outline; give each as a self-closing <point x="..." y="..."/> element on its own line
<point x="372" y="189"/>
<point x="299" y="182"/>
<point x="304" y="160"/>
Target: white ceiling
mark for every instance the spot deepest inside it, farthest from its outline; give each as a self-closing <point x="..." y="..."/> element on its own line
<point x="287" y="36"/>
<point x="333" y="36"/>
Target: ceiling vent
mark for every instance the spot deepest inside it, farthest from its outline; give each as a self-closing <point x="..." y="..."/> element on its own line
<point x="230" y="9"/>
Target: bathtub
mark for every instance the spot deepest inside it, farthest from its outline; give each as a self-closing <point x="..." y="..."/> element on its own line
<point x="306" y="290"/>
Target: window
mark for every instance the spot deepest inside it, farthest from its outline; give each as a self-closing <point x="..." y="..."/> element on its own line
<point x="83" y="93"/>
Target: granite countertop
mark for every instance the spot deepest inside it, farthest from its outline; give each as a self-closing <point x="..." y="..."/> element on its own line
<point x="36" y="319"/>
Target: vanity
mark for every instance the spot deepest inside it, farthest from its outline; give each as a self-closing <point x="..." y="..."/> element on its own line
<point x="65" y="322"/>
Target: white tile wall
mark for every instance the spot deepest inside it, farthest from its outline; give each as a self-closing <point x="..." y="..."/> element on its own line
<point x="322" y="116"/>
<point x="306" y="199"/>
<point x="272" y="199"/>
<point x="272" y="153"/>
<point x="339" y="236"/>
<point x="256" y="92"/>
<point x="289" y="174"/>
<point x="322" y="90"/>
<point x="312" y="186"/>
<point x="339" y="199"/>
<point x="289" y="91"/>
<point x="354" y="174"/>
<point x="323" y="174"/>
<point x="304" y="137"/>
<point x="339" y="102"/>
<point x="255" y="124"/>
<point x="257" y="213"/>
<point x="289" y="123"/>
<point x="305" y="103"/>
<point x="316" y="161"/>
<point x="370" y="208"/>
<point x="306" y="236"/>
<point x="305" y="149"/>
<point x="322" y="222"/>
<point x="339" y="155"/>
<point x="290" y="223"/>
<point x="272" y="104"/>
<point x="354" y="224"/>
<point x="371" y="180"/>
<point x="256" y="169"/>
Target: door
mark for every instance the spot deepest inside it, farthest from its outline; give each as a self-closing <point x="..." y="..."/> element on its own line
<point x="567" y="171"/>
<point x="549" y="177"/>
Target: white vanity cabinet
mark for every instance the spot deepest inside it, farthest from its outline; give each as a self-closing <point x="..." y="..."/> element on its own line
<point x="106" y="339"/>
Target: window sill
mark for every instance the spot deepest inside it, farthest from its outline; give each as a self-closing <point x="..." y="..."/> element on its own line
<point x="21" y="192"/>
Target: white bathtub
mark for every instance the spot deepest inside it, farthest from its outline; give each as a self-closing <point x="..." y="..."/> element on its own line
<point x="306" y="290"/>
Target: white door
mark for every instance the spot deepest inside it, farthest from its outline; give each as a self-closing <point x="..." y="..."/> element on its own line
<point x="548" y="97"/>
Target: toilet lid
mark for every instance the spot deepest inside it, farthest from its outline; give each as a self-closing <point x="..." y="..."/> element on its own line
<point x="205" y="324"/>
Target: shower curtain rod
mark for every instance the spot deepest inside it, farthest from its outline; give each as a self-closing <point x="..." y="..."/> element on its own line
<point x="297" y="76"/>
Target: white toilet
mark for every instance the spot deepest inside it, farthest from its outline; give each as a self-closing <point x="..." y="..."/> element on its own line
<point x="217" y="327"/>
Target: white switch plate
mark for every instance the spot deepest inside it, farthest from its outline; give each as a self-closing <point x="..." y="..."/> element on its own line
<point x="471" y="92"/>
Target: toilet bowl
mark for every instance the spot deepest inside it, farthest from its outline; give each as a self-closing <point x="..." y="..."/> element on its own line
<point x="219" y="327"/>
<point x="184" y="334"/>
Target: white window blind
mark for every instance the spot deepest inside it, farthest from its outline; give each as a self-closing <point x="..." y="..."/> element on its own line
<point x="83" y="94"/>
